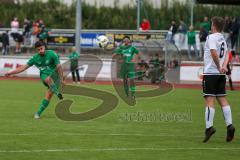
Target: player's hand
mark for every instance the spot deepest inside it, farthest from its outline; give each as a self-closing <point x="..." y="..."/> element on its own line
<point x="223" y="70"/>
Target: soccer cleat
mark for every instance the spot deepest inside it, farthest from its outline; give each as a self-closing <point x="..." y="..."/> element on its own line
<point x="60" y="96"/>
<point x="208" y="133"/>
<point x="36" y="116"/>
<point x="230" y="133"/>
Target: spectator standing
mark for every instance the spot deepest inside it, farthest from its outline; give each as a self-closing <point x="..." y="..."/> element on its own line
<point x="15" y="25"/>
<point x="206" y="24"/>
<point x="231" y="55"/>
<point x="74" y="57"/>
<point x="35" y="30"/>
<point x="234" y="31"/>
<point x="26" y="28"/>
<point x="44" y="34"/>
<point x="171" y="32"/>
<point x="5" y="43"/>
<point x="16" y="35"/>
<point x="191" y="34"/>
<point x="145" y="25"/>
<point x="27" y="32"/>
<point x="202" y="37"/>
<point x="227" y="30"/>
<point x="182" y="29"/>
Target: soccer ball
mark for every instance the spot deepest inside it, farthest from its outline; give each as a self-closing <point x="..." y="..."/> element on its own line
<point x="102" y="41"/>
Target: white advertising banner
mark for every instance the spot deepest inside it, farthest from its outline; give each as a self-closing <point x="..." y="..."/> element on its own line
<point x="193" y="71"/>
<point x="9" y="63"/>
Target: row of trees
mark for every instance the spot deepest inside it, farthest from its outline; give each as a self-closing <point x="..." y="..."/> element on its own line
<point x="58" y="15"/>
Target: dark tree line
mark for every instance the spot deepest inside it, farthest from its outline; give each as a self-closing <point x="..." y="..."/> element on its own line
<point x="58" y="15"/>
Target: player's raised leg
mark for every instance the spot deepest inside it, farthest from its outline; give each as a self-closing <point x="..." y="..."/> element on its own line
<point x="226" y="109"/>
<point x="44" y="104"/>
<point x="132" y="87"/>
<point x="125" y="85"/>
<point x="53" y="87"/>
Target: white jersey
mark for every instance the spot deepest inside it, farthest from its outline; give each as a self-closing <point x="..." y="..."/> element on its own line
<point x="214" y="41"/>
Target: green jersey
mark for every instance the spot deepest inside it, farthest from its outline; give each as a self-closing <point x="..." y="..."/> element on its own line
<point x="47" y="63"/>
<point x="73" y="57"/>
<point x="128" y="52"/>
<point x="206" y="26"/>
<point x="44" y="34"/>
<point x="191" y="37"/>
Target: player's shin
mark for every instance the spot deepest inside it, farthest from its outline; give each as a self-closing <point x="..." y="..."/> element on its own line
<point x="43" y="106"/>
<point x="209" y="116"/>
<point x="132" y="87"/>
<point x="126" y="88"/>
<point x="227" y="114"/>
<point x="54" y="89"/>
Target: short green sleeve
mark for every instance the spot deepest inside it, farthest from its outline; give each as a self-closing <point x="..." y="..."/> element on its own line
<point x="135" y="50"/>
<point x="30" y="62"/>
<point x="117" y="51"/>
<point x="56" y="58"/>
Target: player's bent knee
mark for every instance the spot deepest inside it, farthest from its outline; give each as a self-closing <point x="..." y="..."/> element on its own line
<point x="48" y="80"/>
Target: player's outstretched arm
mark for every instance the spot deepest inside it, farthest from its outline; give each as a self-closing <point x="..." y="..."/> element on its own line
<point x="17" y="70"/>
<point x="137" y="57"/>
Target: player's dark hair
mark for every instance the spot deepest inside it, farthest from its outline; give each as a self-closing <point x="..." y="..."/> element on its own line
<point x="219" y="23"/>
<point x="126" y="37"/>
<point x="40" y="44"/>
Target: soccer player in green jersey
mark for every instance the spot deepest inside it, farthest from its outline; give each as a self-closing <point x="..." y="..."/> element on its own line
<point x="51" y="73"/>
<point x="127" y="72"/>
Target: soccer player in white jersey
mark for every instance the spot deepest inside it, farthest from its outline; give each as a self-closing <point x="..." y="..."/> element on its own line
<point x="214" y="80"/>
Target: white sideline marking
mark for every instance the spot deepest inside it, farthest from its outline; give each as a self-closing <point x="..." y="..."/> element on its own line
<point x="110" y="149"/>
<point x="80" y="134"/>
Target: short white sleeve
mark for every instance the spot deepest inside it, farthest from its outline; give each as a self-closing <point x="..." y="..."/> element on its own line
<point x="212" y="42"/>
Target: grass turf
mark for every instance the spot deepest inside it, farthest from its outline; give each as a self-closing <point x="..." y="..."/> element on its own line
<point x="116" y="135"/>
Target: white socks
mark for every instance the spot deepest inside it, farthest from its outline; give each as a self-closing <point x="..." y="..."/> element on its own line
<point x="227" y="115"/>
<point x="209" y="116"/>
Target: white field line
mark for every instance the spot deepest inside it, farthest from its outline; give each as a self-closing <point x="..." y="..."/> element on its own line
<point x="116" y="149"/>
<point x="82" y="134"/>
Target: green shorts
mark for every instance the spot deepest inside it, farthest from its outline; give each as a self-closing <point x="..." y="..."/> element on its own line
<point x="54" y="76"/>
<point x="127" y="71"/>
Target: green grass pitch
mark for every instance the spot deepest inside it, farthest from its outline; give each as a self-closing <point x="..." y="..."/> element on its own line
<point x="112" y="136"/>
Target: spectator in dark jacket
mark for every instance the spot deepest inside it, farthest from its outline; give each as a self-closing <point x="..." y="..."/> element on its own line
<point x="5" y="43"/>
<point x="234" y="32"/>
<point x="26" y="28"/>
<point x="227" y="29"/>
<point x="203" y="37"/>
<point x="171" y="32"/>
<point x="182" y="29"/>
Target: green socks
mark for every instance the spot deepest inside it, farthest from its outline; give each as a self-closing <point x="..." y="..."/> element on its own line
<point x="126" y="89"/>
<point x="43" y="106"/>
<point x="133" y="89"/>
<point x="54" y="89"/>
